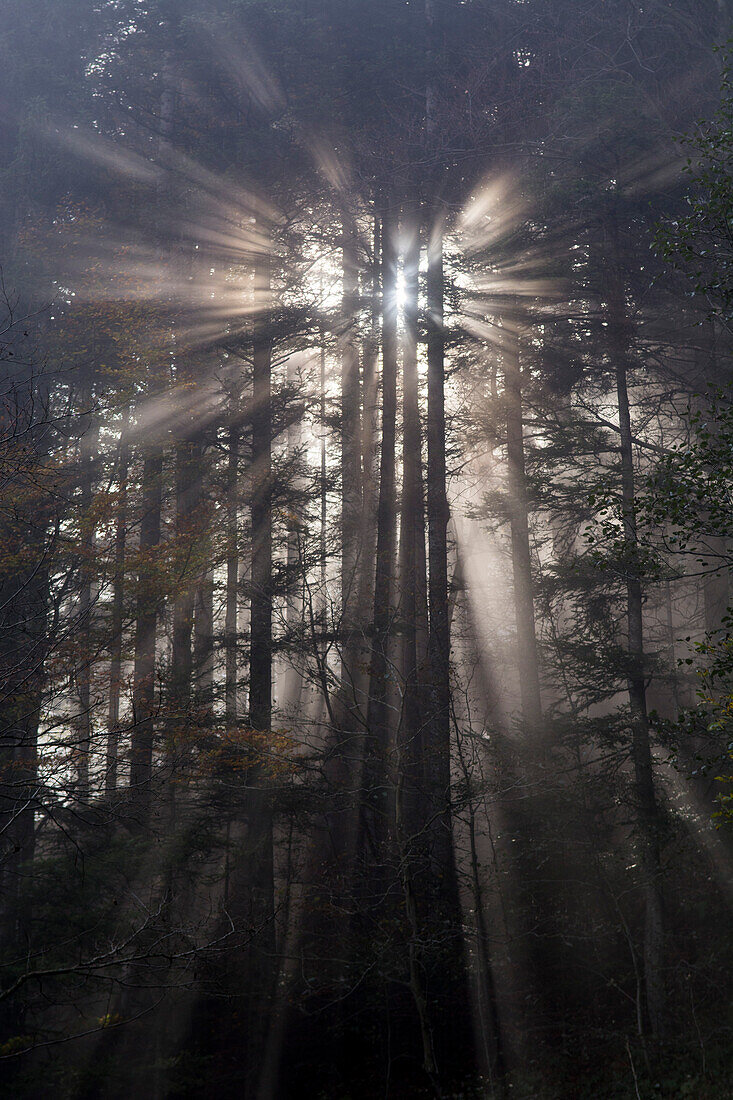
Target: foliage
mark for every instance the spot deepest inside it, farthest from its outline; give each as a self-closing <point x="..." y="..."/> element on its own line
<point x="700" y="243"/>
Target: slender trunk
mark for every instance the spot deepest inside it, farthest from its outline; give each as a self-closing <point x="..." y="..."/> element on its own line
<point x="260" y="688"/>
<point x="716" y="585"/>
<point x="338" y="765"/>
<point x="369" y="491"/>
<point x="188" y="492"/>
<point x="260" y="915"/>
<point x="648" y="819"/>
<point x="438" y="516"/>
<point x="351" y="476"/>
<point x="28" y="623"/>
<point x="118" y="609"/>
<point x="449" y="995"/>
<point x="148" y="595"/>
<point x="334" y="846"/>
<point x="87" y="451"/>
<point x="529" y="683"/>
<point x="415" y="961"/>
<point x="488" y="1003"/>
<point x="369" y="429"/>
<point x="232" y="581"/>
<point x="674" y="680"/>
<point x="410" y="818"/>
<point x="290" y="679"/>
<point x="204" y="640"/>
<point x="413" y="595"/>
<point x="374" y="810"/>
<point x="324" y="463"/>
<point x="146" y="621"/>
<point x="24" y="594"/>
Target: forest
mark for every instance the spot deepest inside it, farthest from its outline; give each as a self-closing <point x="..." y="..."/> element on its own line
<point x="366" y="536"/>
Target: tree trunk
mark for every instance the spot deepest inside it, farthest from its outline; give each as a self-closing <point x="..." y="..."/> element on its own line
<point x="188" y="494"/>
<point x="87" y="451"/>
<point x="370" y="426"/>
<point x="260" y="902"/>
<point x="290" y="680"/>
<point x="146" y="621"/>
<point x="647" y="810"/>
<point x="118" y="610"/>
<point x="204" y="639"/>
<point x="351" y="475"/>
<point x="442" y="959"/>
<point x="232" y="581"/>
<point x="438" y="516"/>
<point x="148" y="595"/>
<point x="375" y="805"/>
<point x="23" y="647"/>
<point x="413" y="585"/>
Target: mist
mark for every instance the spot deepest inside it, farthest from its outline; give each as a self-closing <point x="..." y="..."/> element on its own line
<point x="366" y="533"/>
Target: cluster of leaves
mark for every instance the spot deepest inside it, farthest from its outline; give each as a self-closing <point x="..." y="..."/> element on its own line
<point x="715" y="673"/>
<point x="694" y="480"/>
<point x="686" y="509"/>
<point x="700" y="244"/>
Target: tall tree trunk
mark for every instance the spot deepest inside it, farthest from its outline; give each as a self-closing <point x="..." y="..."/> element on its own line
<point x="410" y="819"/>
<point x="375" y="804"/>
<point x="370" y="424"/>
<point x="118" y="610"/>
<point x="339" y="764"/>
<point x="232" y="581"/>
<point x="351" y="474"/>
<point x="490" y="1042"/>
<point x="290" y="680"/>
<point x="323" y="528"/>
<point x="87" y="451"/>
<point x="443" y="961"/>
<point x="716" y="585"/>
<point x="188" y="495"/>
<point x="27" y="542"/>
<point x="148" y="596"/>
<point x="146" y="621"/>
<point x="438" y="516"/>
<point x="648" y="818"/>
<point x="371" y="284"/>
<point x="529" y="682"/>
<point x="204" y="640"/>
<point x="23" y="647"/>
<point x="260" y="875"/>
<point x="413" y="585"/>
